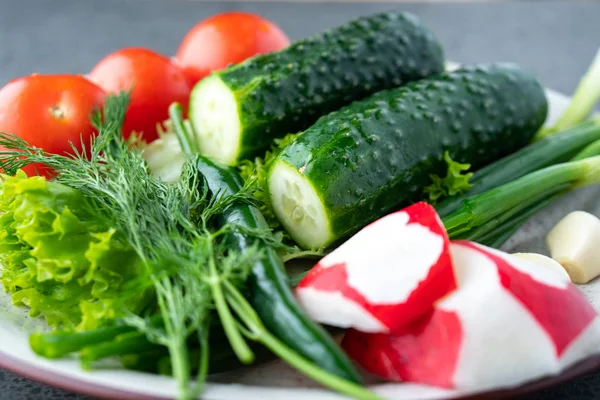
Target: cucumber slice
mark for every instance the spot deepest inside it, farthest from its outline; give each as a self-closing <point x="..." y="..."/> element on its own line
<point x="298" y="206"/>
<point x="215" y="119"/>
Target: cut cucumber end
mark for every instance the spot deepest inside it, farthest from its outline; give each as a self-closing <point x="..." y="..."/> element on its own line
<point x="298" y="206"/>
<point x="215" y="119"/>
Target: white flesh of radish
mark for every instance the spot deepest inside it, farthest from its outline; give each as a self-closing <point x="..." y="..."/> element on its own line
<point x="543" y="261"/>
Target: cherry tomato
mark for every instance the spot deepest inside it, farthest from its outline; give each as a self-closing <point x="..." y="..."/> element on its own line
<point x="155" y="81"/>
<point x="49" y="112"/>
<point x="225" y="39"/>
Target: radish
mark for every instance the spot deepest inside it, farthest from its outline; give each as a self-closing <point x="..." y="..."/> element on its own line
<point x="509" y="321"/>
<point x="387" y="275"/>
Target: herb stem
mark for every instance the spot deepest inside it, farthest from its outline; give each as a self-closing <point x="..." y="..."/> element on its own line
<point x="131" y="343"/>
<point x="176" y="343"/>
<point x="258" y="332"/>
<point x="186" y="141"/>
<point x="59" y="344"/>
<point x="238" y="344"/>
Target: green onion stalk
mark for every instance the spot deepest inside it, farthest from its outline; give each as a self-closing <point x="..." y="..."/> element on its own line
<point x="491" y="215"/>
<point x="557" y="148"/>
<point x="584" y="99"/>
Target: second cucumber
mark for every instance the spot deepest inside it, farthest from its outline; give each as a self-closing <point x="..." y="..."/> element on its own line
<point x="237" y="112"/>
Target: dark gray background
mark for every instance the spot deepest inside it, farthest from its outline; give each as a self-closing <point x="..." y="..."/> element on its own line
<point x="554" y="39"/>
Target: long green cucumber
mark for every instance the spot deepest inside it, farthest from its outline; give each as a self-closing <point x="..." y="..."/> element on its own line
<point x="375" y="155"/>
<point x="237" y="112"/>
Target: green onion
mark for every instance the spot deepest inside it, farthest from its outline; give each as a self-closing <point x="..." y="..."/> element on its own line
<point x="497" y="237"/>
<point x="591" y="150"/>
<point x="548" y="151"/>
<point x="488" y="208"/>
<point x="585" y="97"/>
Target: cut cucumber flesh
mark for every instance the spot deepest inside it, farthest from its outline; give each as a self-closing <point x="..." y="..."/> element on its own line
<point x="298" y="207"/>
<point x="215" y="119"/>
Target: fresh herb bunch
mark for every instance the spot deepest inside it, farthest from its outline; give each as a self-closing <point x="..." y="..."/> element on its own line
<point x="171" y="229"/>
<point x="167" y="226"/>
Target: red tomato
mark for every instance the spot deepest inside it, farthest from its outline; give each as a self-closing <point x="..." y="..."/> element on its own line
<point x="49" y="112"/>
<point x="156" y="83"/>
<point x="225" y="39"/>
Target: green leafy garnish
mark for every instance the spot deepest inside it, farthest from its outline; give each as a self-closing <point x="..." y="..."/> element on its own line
<point x="455" y="182"/>
<point x="63" y="261"/>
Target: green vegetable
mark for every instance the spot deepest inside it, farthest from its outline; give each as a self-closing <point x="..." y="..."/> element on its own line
<point x="59" y="344"/>
<point x="296" y="339"/>
<point x="494" y="210"/>
<point x="170" y="228"/>
<point x="455" y="182"/>
<point x="499" y="235"/>
<point x="550" y="150"/>
<point x="593" y="149"/>
<point x="159" y="222"/>
<point x="271" y="296"/>
<point x="356" y="164"/>
<point x="62" y="261"/>
<point x="585" y="97"/>
<point x="237" y="112"/>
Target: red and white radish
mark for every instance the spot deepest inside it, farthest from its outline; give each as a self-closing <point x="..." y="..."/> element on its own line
<point x="509" y="321"/>
<point x="387" y="275"/>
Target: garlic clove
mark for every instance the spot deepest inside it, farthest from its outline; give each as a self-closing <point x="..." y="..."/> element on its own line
<point x="574" y="242"/>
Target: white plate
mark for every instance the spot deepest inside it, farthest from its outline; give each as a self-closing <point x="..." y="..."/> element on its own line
<point x="273" y="380"/>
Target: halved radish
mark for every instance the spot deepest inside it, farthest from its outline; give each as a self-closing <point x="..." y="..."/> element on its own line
<point x="509" y="321"/>
<point x="387" y="275"/>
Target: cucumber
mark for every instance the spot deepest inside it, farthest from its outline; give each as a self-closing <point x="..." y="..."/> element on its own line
<point x="375" y="155"/>
<point x="237" y="112"/>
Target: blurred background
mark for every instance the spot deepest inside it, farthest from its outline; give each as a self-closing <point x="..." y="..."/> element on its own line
<point x="555" y="39"/>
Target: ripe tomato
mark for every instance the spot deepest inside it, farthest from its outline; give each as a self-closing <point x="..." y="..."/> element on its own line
<point x="225" y="39"/>
<point x="156" y="83"/>
<point x="49" y="112"/>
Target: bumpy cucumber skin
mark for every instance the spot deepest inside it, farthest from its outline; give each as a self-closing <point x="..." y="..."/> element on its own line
<point x="286" y="91"/>
<point x="377" y="154"/>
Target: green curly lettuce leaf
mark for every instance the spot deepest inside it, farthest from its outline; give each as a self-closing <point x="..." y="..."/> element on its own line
<point x="61" y="261"/>
<point x="455" y="182"/>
